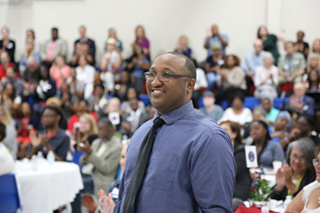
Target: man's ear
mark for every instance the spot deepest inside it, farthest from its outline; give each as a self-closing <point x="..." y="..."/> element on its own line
<point x="190" y="85"/>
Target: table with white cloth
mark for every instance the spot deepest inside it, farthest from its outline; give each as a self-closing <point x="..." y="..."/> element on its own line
<point x="44" y="187"/>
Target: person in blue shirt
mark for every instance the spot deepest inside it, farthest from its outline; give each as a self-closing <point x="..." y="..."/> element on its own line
<point x="214" y="36"/>
<point x="191" y="166"/>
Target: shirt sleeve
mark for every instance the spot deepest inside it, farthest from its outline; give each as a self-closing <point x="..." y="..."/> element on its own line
<point x="212" y="172"/>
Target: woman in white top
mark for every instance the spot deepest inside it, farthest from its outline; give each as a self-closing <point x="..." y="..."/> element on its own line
<point x="110" y="64"/>
<point x="85" y="71"/>
<point x="308" y="199"/>
<point x="237" y="112"/>
<point x="266" y="79"/>
<point x="6" y="160"/>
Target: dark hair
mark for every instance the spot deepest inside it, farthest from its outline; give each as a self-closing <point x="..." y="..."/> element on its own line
<point x="265" y="126"/>
<point x="54" y="29"/>
<point x="100" y="84"/>
<point x="239" y="96"/>
<point x="2" y="131"/>
<point x="106" y="121"/>
<point x="258" y="32"/>
<point x="235" y="58"/>
<point x="309" y="80"/>
<point x="57" y="111"/>
<point x="13" y="95"/>
<point x="307" y="118"/>
<point x="235" y="128"/>
<point x="189" y="66"/>
<point x="127" y="92"/>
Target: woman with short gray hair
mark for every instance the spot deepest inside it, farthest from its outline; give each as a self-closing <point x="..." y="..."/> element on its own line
<point x="298" y="170"/>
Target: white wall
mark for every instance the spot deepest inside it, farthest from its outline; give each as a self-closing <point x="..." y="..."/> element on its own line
<point x="164" y="20"/>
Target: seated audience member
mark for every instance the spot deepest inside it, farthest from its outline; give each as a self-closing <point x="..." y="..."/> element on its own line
<point x="107" y="200"/>
<point x="53" y="47"/>
<point x="85" y="72"/>
<point x="10" y="138"/>
<point x="252" y="61"/>
<point x="297" y="172"/>
<point x="266" y="79"/>
<point x="98" y="102"/>
<point x="88" y="89"/>
<point x="110" y="64"/>
<point x="183" y="47"/>
<point x="133" y="119"/>
<point x="316" y="46"/>
<point x="308" y="198"/>
<point x="46" y="88"/>
<point x="27" y="122"/>
<point x="87" y="129"/>
<point x="302" y="46"/>
<point x="27" y="54"/>
<point x="113" y="112"/>
<point x="243" y="177"/>
<point x="141" y="40"/>
<point x="5" y="64"/>
<point x="80" y="108"/>
<point x="313" y="63"/>
<point x="121" y="89"/>
<point x="291" y="65"/>
<point x="237" y="112"/>
<point x="213" y="64"/>
<point x="269" y="42"/>
<point x="6" y="160"/>
<point x="30" y="79"/>
<point x="267" y="150"/>
<point x="258" y="114"/>
<point x="200" y="85"/>
<point x="53" y="139"/>
<point x="303" y="128"/>
<point x="137" y="65"/>
<point x="269" y="111"/>
<point x="59" y="71"/>
<point x="30" y="34"/>
<point x="10" y="100"/>
<point x="82" y="44"/>
<point x="313" y="81"/>
<point x="279" y="130"/>
<point x="67" y="100"/>
<point x="101" y="158"/>
<point x="131" y="94"/>
<point x="213" y="36"/>
<point x="210" y="109"/>
<point x="232" y="79"/>
<point x="112" y="33"/>
<point x="14" y="80"/>
<point x="6" y="44"/>
<point x="299" y="102"/>
<point x="76" y="87"/>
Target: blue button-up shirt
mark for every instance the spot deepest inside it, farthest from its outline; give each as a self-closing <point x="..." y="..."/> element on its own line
<point x="252" y="61"/>
<point x="215" y="39"/>
<point x="191" y="167"/>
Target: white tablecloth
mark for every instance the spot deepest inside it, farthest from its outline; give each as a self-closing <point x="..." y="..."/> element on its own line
<point x="45" y="187"/>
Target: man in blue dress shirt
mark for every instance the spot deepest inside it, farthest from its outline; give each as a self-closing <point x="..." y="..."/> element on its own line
<point x="191" y="166"/>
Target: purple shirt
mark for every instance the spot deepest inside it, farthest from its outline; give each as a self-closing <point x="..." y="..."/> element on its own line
<point x="191" y="167"/>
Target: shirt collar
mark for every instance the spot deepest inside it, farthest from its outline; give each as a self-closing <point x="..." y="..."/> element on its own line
<point x="176" y="114"/>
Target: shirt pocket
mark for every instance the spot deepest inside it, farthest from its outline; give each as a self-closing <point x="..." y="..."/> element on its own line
<point x="161" y="172"/>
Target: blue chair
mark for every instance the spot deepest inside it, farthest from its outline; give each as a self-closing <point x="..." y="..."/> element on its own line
<point x="119" y="173"/>
<point x="9" y="197"/>
<point x="200" y="102"/>
<point x="145" y="99"/>
<point x="251" y="102"/>
<point x="277" y="103"/>
<point x="76" y="157"/>
<point x="224" y="104"/>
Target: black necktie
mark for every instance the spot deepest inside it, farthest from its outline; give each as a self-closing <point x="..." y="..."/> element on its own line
<point x="140" y="167"/>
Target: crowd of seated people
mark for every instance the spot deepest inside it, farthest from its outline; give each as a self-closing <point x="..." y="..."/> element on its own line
<point x="51" y="103"/>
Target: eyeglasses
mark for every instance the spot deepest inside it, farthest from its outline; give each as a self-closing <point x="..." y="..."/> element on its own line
<point x="294" y="157"/>
<point x="163" y="76"/>
<point x="316" y="162"/>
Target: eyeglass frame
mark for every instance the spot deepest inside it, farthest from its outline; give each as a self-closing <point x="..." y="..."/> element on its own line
<point x="294" y="157"/>
<point x="164" y="79"/>
<point x="316" y="161"/>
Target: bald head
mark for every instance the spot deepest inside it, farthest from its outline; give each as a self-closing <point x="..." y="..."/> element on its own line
<point x="258" y="46"/>
<point x="299" y="90"/>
